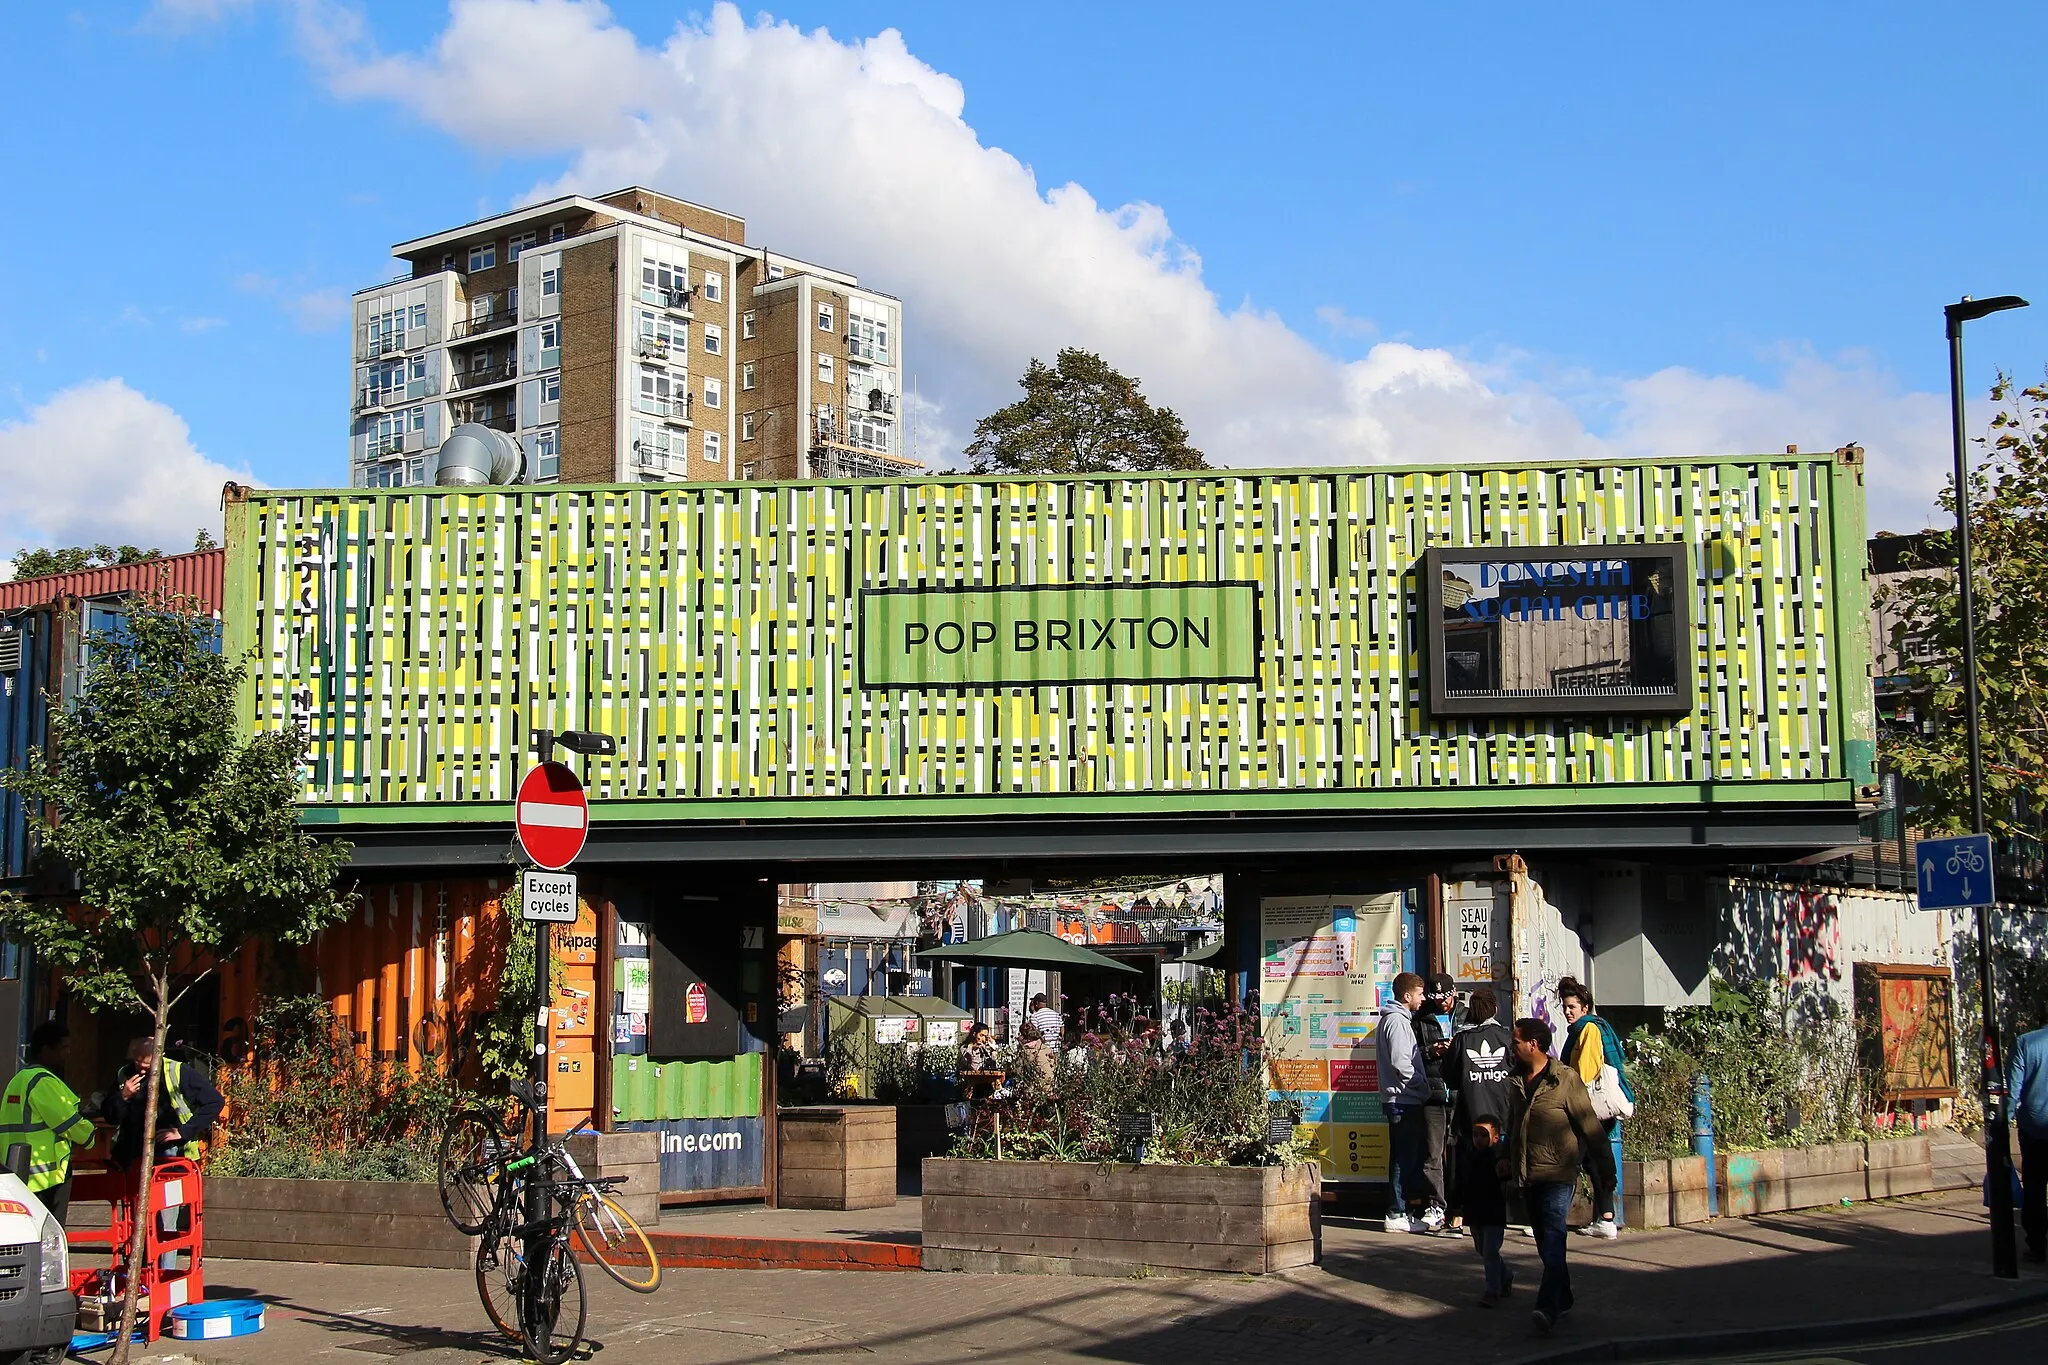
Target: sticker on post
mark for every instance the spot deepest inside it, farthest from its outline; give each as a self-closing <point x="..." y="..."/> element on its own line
<point x="547" y="897"/>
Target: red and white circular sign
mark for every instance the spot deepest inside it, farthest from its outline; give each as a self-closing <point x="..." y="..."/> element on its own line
<point x="553" y="817"/>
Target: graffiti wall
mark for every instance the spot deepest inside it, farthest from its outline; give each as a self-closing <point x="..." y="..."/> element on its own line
<point x="1811" y="938"/>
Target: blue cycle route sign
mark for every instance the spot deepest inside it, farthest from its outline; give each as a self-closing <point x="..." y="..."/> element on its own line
<point x="1955" y="874"/>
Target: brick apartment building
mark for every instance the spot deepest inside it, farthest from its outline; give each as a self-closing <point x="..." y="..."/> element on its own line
<point x="631" y="337"/>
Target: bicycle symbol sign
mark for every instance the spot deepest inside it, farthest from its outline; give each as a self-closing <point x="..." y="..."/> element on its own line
<point x="1956" y="874"/>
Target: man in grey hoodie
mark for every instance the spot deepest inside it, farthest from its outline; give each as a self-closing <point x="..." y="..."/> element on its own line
<point x="1404" y="1094"/>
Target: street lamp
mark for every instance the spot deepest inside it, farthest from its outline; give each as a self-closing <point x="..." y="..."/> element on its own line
<point x="575" y="741"/>
<point x="1998" y="1143"/>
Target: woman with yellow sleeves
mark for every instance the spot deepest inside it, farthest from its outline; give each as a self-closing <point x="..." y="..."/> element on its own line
<point x="1590" y="1043"/>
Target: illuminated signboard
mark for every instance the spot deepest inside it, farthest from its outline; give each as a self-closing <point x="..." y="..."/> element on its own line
<point x="1559" y="630"/>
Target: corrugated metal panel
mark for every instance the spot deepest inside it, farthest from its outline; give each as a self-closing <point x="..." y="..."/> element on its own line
<point x="24" y="725"/>
<point x="717" y="629"/>
<point x="196" y="576"/>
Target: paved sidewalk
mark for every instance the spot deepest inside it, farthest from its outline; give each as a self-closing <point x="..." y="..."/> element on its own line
<point x="1373" y="1292"/>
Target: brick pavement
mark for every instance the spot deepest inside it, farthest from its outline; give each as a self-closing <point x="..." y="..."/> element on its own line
<point x="1372" y="1292"/>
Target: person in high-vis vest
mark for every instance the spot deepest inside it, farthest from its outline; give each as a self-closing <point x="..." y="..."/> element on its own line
<point x="41" y="1110"/>
<point x="187" y="1105"/>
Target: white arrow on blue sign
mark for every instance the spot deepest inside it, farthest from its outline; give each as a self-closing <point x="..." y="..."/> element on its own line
<point x="1955" y="874"/>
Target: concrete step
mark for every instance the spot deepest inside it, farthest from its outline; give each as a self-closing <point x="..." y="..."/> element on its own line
<point x="717" y="1251"/>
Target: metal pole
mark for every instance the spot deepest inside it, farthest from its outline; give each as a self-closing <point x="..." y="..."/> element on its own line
<point x="1997" y="1142"/>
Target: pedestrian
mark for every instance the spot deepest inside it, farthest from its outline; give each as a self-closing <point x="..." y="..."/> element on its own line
<point x="1404" y="1095"/>
<point x="1591" y="1044"/>
<point x="1034" y="1060"/>
<point x="1051" y="1027"/>
<point x="2027" y="1090"/>
<point x="184" y="1092"/>
<point x="1553" y="1123"/>
<point x="1178" y="1042"/>
<point x="41" y="1110"/>
<point x="1482" y="1175"/>
<point x="1478" y="1074"/>
<point x="1433" y="1034"/>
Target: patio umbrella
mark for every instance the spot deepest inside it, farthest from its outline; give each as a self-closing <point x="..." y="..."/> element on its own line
<point x="1024" y="948"/>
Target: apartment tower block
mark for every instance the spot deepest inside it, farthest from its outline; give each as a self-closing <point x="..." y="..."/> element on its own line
<point x="630" y="337"/>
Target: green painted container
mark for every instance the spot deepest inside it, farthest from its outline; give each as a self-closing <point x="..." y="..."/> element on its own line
<point x="633" y="1088"/>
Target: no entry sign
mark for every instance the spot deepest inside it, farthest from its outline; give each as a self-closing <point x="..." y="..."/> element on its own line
<point x="553" y="816"/>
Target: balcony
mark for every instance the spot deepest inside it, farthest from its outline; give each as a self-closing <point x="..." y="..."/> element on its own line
<point x="477" y="379"/>
<point x="501" y="316"/>
<point x="398" y="396"/>
<point x="390" y="445"/>
<point x="673" y="409"/>
<point x="870" y="399"/>
<point x="499" y="422"/>
<point x="653" y="348"/>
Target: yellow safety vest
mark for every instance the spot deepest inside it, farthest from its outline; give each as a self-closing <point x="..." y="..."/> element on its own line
<point x="42" y="1111"/>
<point x="174" y="1090"/>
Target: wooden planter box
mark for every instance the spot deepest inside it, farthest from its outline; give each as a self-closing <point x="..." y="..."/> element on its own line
<point x="342" y="1222"/>
<point x="1656" y="1194"/>
<point x="1071" y="1218"/>
<point x="835" y="1158"/>
<point x="635" y="1156"/>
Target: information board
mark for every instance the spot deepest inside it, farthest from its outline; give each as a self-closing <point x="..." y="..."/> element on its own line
<point x="1328" y="963"/>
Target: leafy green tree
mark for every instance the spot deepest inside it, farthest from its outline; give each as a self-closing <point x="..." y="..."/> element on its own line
<point x="77" y="558"/>
<point x="2009" y="555"/>
<point x="180" y="828"/>
<point x="1080" y="416"/>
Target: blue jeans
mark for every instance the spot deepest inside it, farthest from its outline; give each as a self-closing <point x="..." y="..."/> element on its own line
<point x="1549" y="1204"/>
<point x="1607" y="1202"/>
<point x="1486" y="1241"/>
<point x="1406" y="1135"/>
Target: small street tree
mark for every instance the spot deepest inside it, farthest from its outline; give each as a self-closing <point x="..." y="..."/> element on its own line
<point x="2009" y="555"/>
<point x="1080" y="416"/>
<point x="180" y="829"/>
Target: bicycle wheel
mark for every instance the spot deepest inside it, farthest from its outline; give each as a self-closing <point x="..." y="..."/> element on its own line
<point x="617" y="1243"/>
<point x="473" y="1151"/>
<point x="551" y="1308"/>
<point x="497" y="1278"/>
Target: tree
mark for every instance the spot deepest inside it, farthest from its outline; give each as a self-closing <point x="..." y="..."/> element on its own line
<point x="1080" y="416"/>
<point x="77" y="558"/>
<point x="180" y="829"/>
<point x="2009" y="555"/>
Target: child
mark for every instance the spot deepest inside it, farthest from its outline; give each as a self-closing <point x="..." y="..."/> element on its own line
<point x="1482" y="1162"/>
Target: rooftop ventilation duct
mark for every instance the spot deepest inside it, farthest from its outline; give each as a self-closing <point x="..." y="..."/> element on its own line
<point x="476" y="454"/>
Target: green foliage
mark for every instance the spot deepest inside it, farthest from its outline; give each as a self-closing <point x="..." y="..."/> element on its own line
<point x="310" y="1105"/>
<point x="504" y="1037"/>
<point x="2009" y="554"/>
<point x="901" y="1074"/>
<point x="1765" y="1074"/>
<point x="180" y="828"/>
<point x="37" y="563"/>
<point x="1080" y="416"/>
<point x="1210" y="1105"/>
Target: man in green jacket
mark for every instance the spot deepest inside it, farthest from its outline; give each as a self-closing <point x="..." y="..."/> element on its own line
<point x="1554" y="1132"/>
<point x="41" y="1110"/>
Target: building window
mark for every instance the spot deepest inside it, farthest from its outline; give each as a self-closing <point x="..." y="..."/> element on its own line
<point x="824" y="369"/>
<point x="714" y="393"/>
<point x="483" y="257"/>
<point x="747" y="470"/>
<point x="747" y="426"/>
<point x="714" y="339"/>
<point x="551" y="388"/>
<point x="747" y="326"/>
<point x="658" y="334"/>
<point x="550" y="335"/>
<point x="747" y="375"/>
<point x="481" y="361"/>
<point x="714" y="286"/>
<point x="868" y="434"/>
<point x="447" y="260"/>
<point x="519" y="242"/>
<point x="824" y="317"/>
<point x="547" y="462"/>
<point x="557" y="231"/>
<point x="714" y="447"/>
<point x="664" y="284"/>
<point x="774" y="270"/>
<point x="551" y="282"/>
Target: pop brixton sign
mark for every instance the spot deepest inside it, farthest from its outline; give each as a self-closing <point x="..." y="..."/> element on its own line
<point x="1058" y="635"/>
<point x="1560" y="629"/>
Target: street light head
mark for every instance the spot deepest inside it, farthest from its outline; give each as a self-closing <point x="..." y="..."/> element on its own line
<point x="587" y="742"/>
<point x="1969" y="309"/>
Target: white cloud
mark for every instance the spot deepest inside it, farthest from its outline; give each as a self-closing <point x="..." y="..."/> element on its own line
<point x="99" y="462"/>
<point x="206" y="324"/>
<point x="856" y="153"/>
<point x="314" y="310"/>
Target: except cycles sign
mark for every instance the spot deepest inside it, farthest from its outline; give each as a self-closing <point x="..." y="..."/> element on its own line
<point x="932" y="639"/>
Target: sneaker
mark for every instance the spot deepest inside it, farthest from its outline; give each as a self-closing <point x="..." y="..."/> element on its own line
<point x="1433" y="1219"/>
<point x="1604" y="1228"/>
<point x="1398" y="1222"/>
<point x="1488" y="1299"/>
<point x="1544" y="1322"/>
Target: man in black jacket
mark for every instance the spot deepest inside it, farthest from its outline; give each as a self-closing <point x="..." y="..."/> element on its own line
<point x="1433" y="1033"/>
<point x="1480" y="1068"/>
<point x="187" y="1105"/>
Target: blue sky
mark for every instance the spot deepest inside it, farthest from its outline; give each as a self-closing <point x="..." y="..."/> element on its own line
<point x="1364" y="234"/>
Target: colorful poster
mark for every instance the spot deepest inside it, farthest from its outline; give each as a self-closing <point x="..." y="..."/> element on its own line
<point x="1327" y="963"/>
<point x="639" y="987"/>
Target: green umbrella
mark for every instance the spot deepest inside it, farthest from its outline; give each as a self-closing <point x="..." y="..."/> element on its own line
<point x="1024" y="948"/>
<point x="1210" y="953"/>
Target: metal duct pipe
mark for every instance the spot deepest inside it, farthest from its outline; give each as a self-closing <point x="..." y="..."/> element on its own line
<point x="476" y="454"/>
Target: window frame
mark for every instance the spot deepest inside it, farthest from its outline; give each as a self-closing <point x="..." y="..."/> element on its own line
<point x="714" y="286"/>
<point x="519" y="243"/>
<point x="714" y="339"/>
<point x="825" y="368"/>
<point x="747" y="425"/>
<point x="825" y="315"/>
<point x="552" y="380"/>
<point x="714" y="447"/>
<point x="747" y="325"/>
<point x="714" y="392"/>
<point x="748" y="376"/>
<point x="483" y="256"/>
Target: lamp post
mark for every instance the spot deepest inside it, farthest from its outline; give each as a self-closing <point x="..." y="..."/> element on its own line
<point x="1998" y="1143"/>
